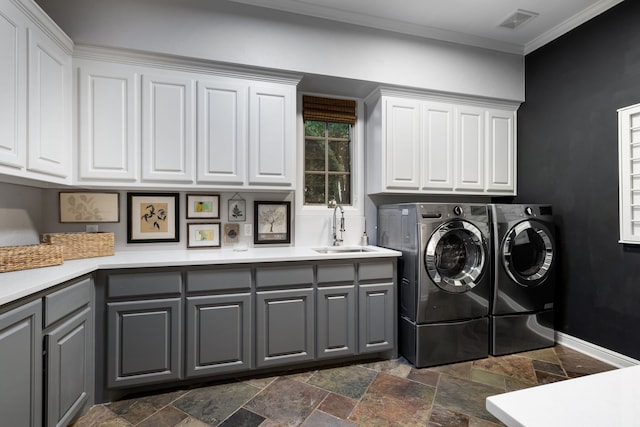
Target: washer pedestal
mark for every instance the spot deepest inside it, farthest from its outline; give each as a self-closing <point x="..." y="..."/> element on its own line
<point x="443" y="343"/>
<point x="514" y="333"/>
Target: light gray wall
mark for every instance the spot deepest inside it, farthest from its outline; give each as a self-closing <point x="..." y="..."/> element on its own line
<point x="21" y="214"/>
<point x="240" y="34"/>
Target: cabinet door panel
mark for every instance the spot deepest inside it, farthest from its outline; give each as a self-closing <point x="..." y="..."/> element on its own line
<point x="168" y="128"/>
<point x="272" y="136"/>
<point x="109" y="120"/>
<point x="500" y="150"/>
<point x="21" y="366"/>
<point x="49" y="140"/>
<point x="13" y="87"/>
<point x="218" y="334"/>
<point x="222" y="134"/>
<point x="285" y="327"/>
<point x="144" y="341"/>
<point x="68" y="368"/>
<point x="470" y="148"/>
<point x="402" y="144"/>
<point x="437" y="145"/>
<point x="376" y="311"/>
<point x="336" y="321"/>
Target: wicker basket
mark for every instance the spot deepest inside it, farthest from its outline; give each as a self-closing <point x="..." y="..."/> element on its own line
<point x="82" y="245"/>
<point x="13" y="258"/>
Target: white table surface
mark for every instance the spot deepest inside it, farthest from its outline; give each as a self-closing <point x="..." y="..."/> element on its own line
<point x="607" y="399"/>
<point x="19" y="284"/>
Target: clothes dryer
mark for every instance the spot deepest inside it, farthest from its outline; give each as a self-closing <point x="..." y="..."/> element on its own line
<point x="522" y="316"/>
<point x="444" y="284"/>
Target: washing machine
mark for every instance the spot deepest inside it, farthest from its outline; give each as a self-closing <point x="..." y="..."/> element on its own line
<point x="444" y="284"/>
<point x="523" y="270"/>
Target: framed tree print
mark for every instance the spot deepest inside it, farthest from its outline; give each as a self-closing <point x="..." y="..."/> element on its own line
<point x="272" y="222"/>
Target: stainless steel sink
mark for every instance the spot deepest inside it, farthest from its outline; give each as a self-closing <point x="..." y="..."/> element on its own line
<point x="342" y="249"/>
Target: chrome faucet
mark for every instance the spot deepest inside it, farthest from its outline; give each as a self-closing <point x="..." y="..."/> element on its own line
<point x="334" y="228"/>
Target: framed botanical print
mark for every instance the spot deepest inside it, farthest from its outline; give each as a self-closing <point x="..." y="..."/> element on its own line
<point x="89" y="207"/>
<point x="152" y="217"/>
<point x="203" y="206"/>
<point x="203" y="235"/>
<point x="237" y="209"/>
<point x="272" y="222"/>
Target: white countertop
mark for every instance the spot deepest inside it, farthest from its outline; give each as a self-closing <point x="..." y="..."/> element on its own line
<point x="18" y="284"/>
<point x="605" y="399"/>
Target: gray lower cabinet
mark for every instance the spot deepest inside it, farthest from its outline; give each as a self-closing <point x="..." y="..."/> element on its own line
<point x="336" y="321"/>
<point x="143" y="341"/>
<point x="21" y="366"/>
<point x="218" y="334"/>
<point x="68" y="344"/>
<point x="376" y="306"/>
<point x="336" y="310"/>
<point x="285" y="326"/>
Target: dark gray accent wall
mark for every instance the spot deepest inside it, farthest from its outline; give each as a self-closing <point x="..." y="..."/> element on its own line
<point x="568" y="156"/>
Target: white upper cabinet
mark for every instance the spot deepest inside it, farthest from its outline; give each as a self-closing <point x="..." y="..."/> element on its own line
<point x="427" y="143"/>
<point x="272" y="130"/>
<point x="13" y="86"/>
<point x="35" y="106"/>
<point x="501" y="150"/>
<point x="49" y="118"/>
<point x="108" y="110"/>
<point x="222" y="133"/>
<point x="437" y="146"/>
<point x="194" y="127"/>
<point x="168" y="128"/>
<point x="469" y="148"/>
<point x="402" y="133"/>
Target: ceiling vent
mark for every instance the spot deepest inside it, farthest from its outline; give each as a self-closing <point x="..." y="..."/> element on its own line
<point x="517" y="18"/>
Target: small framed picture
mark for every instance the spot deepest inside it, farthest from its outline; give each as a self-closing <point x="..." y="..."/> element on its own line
<point x="203" y="206"/>
<point x="203" y="235"/>
<point x="152" y="217"/>
<point x="89" y="207"/>
<point x="231" y="233"/>
<point x="237" y="210"/>
<point x="272" y="222"/>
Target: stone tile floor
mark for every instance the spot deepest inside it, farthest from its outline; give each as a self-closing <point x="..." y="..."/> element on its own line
<point x="387" y="393"/>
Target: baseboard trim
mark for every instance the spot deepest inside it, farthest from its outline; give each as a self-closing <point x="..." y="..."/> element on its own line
<point x="597" y="352"/>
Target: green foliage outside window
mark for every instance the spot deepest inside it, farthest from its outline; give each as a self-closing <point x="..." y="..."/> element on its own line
<point x="327" y="163"/>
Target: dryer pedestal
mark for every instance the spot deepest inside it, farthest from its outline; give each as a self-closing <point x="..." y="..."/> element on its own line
<point x="514" y="333"/>
<point x="442" y="343"/>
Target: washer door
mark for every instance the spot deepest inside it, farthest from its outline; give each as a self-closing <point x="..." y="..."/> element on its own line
<point x="455" y="256"/>
<point x="527" y="253"/>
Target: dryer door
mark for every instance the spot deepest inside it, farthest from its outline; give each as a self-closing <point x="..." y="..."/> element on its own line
<point x="455" y="256"/>
<point x="527" y="253"/>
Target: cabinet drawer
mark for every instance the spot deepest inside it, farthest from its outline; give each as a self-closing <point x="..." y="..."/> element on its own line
<point x="336" y="273"/>
<point x="380" y="270"/>
<point x="284" y="276"/>
<point x="60" y="303"/>
<point x="142" y="284"/>
<point x="218" y="280"/>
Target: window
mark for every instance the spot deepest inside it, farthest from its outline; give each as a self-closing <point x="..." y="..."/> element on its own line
<point x="328" y="150"/>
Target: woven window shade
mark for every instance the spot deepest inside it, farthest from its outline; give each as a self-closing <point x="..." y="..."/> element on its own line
<point x="329" y="110"/>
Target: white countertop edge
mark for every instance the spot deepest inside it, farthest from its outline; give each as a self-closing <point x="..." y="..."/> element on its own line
<point x="606" y="398"/>
<point x="19" y="284"/>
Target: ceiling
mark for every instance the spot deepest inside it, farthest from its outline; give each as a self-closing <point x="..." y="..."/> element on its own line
<point x="470" y="22"/>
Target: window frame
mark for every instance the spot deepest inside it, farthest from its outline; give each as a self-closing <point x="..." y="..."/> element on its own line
<point x="327" y="172"/>
<point x="357" y="162"/>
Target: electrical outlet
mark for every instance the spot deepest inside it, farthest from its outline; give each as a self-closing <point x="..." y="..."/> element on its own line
<point x="248" y="230"/>
<point x="92" y="228"/>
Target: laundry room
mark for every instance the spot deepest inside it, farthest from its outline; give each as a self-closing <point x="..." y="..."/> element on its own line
<point x="376" y="198"/>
